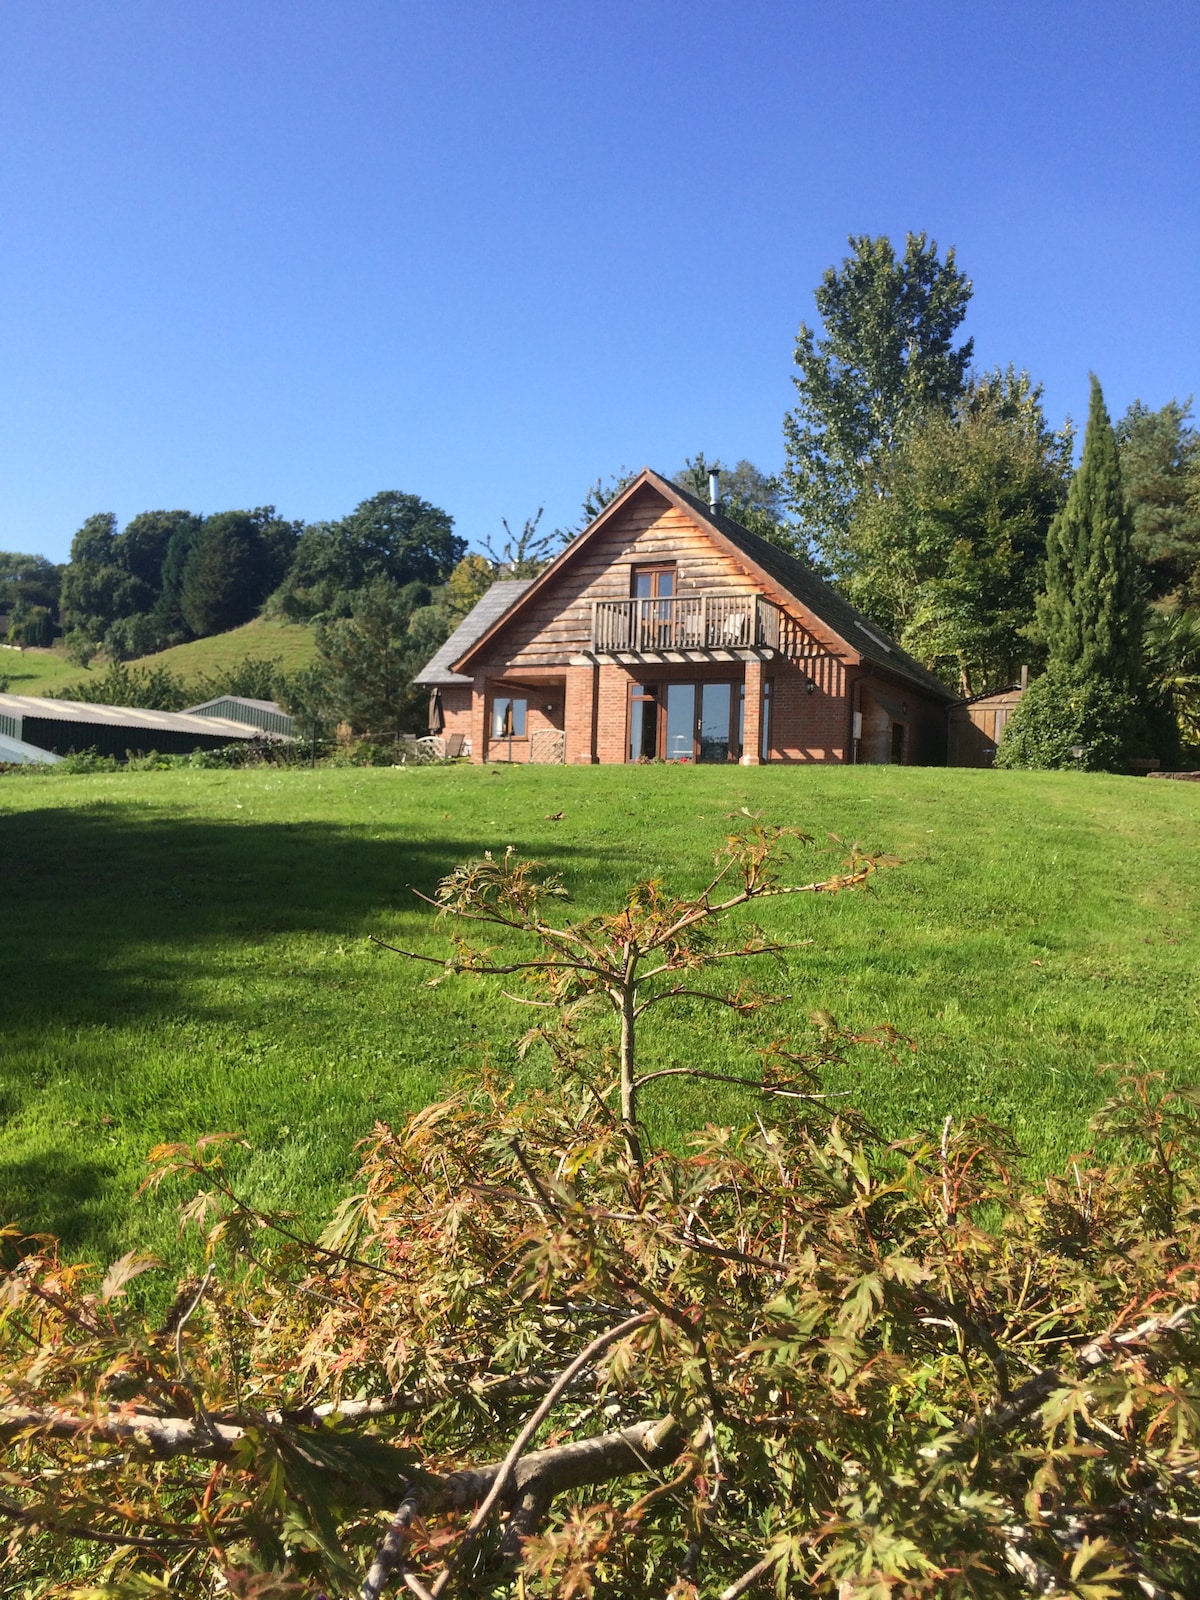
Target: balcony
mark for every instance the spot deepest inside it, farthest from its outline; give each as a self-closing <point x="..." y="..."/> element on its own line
<point x="693" y="622"/>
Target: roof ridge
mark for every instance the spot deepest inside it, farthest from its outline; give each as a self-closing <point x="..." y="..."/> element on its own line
<point x="795" y="575"/>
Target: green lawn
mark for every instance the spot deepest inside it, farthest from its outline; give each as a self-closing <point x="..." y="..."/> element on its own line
<point x="46" y="671"/>
<point x="187" y="951"/>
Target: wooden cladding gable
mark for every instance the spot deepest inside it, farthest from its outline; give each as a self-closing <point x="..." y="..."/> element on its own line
<point x="554" y="621"/>
<point x="557" y="623"/>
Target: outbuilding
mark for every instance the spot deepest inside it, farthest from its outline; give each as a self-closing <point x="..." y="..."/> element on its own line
<point x="64" y="727"/>
<point x="265" y="715"/>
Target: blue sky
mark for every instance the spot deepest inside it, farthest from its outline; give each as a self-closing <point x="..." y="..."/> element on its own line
<point x="279" y="251"/>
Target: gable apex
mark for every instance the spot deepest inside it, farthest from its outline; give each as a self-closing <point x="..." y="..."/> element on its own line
<point x="784" y="577"/>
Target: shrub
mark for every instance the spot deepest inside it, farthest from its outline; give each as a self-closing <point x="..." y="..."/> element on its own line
<point x="1059" y="711"/>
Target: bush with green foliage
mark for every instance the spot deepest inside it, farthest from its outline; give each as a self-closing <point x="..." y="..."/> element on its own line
<point x="534" y="1355"/>
<point x="1172" y="653"/>
<point x="1062" y="711"/>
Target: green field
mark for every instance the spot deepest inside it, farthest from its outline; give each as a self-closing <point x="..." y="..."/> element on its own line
<point x="37" y="671"/>
<point x="292" y="643"/>
<point x="187" y="951"/>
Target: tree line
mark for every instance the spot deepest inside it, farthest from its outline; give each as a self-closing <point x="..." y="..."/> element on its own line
<point x="943" y="503"/>
<point x="927" y="490"/>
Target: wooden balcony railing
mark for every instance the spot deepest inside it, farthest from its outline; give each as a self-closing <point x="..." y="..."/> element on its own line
<point x="688" y="622"/>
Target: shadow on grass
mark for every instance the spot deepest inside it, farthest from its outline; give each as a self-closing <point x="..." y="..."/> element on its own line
<point x="60" y="1191"/>
<point x="85" y="886"/>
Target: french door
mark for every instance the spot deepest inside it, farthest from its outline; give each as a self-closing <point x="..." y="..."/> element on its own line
<point x="685" y="722"/>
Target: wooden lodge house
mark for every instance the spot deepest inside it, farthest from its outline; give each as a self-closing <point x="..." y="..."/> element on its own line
<point x="667" y="631"/>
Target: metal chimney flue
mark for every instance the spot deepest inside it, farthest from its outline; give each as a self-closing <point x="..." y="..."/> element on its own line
<point x="714" y="488"/>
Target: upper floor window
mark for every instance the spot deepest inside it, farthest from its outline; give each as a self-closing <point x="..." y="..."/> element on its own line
<point x="654" y="583"/>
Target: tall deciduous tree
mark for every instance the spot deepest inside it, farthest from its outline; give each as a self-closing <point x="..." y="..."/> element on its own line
<point x="92" y="576"/>
<point x="1160" y="468"/>
<point x="233" y="564"/>
<point x="884" y="357"/>
<point x="29" y="594"/>
<point x="948" y="555"/>
<point x="398" y="537"/>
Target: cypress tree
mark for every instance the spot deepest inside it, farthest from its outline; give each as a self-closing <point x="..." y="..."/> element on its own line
<point x="1091" y="698"/>
<point x="1090" y="614"/>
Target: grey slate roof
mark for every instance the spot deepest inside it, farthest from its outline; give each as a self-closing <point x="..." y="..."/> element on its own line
<point x="870" y="640"/>
<point x="483" y="614"/>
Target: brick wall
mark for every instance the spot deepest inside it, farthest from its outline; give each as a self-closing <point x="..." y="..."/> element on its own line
<point x="810" y="714"/>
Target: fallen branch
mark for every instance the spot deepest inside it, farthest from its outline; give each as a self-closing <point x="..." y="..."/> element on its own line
<point x="164" y="1436"/>
<point x="541" y="1474"/>
<point x="1098" y="1352"/>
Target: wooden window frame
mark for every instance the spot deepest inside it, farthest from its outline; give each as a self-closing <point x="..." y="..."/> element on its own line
<point x="507" y="737"/>
<point x="653" y="569"/>
<point x="653" y="692"/>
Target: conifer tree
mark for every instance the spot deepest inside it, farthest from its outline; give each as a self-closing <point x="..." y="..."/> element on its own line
<point x="1089" y="708"/>
<point x="1090" y="613"/>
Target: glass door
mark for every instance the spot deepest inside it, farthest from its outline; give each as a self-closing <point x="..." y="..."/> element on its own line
<point x="653" y="592"/>
<point x="680" y="730"/>
<point x="643" y="722"/>
<point x="685" y="722"/>
<point x="714" y="724"/>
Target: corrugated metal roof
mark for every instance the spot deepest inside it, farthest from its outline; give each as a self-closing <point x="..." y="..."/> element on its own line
<point x="237" y="700"/>
<point x="28" y="706"/>
<point x="484" y="614"/>
<point x="19" y="753"/>
<point x="262" y="714"/>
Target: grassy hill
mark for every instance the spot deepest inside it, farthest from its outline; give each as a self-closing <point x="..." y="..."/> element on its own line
<point x="293" y="643"/>
<point x="37" y="671"/>
<point x="187" y="951"/>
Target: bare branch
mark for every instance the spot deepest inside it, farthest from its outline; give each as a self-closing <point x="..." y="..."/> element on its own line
<point x="760" y="1569"/>
<point x="504" y="1475"/>
<point x="750" y="1083"/>
<point x="733" y="1001"/>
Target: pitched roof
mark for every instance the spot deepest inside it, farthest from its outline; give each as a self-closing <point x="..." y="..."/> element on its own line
<point x="784" y="572"/>
<point x="483" y="615"/>
<point x="237" y="700"/>
<point x="871" y="641"/>
<point x="22" y="706"/>
<point x="17" y="752"/>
